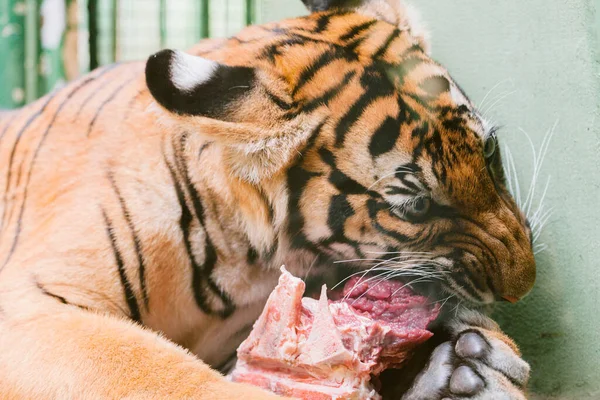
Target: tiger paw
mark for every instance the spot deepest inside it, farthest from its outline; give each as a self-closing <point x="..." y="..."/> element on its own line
<point x="479" y="363"/>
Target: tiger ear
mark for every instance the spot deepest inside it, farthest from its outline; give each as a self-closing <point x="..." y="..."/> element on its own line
<point x="396" y="12"/>
<point x="322" y="5"/>
<point x="194" y="86"/>
<point x="227" y="105"/>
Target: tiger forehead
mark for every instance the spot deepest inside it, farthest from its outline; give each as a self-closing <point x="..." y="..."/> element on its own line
<point x="306" y="53"/>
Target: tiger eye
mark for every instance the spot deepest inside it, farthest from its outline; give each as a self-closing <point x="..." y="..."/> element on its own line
<point x="489" y="148"/>
<point x="419" y="207"/>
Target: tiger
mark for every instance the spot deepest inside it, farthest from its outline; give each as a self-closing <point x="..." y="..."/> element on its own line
<point x="146" y="207"/>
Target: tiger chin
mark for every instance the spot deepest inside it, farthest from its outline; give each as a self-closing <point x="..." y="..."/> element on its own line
<point x="145" y="209"/>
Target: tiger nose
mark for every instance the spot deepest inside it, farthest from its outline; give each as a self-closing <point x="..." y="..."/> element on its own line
<point x="511" y="299"/>
<point x="517" y="280"/>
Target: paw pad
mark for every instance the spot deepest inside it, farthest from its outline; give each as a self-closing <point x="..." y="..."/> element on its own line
<point x="465" y="381"/>
<point x="471" y="345"/>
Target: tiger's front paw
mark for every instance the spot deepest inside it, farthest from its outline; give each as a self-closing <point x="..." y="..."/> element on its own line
<point x="479" y="363"/>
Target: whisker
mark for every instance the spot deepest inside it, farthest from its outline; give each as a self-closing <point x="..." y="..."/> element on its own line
<point x="408" y="284"/>
<point x="534" y="174"/>
<point x="455" y="309"/>
<point x="540" y="249"/>
<point x="502" y="97"/>
<point x="398" y="252"/>
<point x="517" y="193"/>
<point x="415" y="269"/>
<point x="541" y="225"/>
<point x="508" y="172"/>
<point x="540" y="207"/>
<point x="439" y="301"/>
<point x="311" y="267"/>
<point x="482" y="104"/>
<point x="403" y="169"/>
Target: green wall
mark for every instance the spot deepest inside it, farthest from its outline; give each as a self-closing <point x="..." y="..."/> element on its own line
<point x="543" y="58"/>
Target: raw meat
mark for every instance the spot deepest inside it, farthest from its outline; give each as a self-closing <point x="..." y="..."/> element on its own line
<point x="323" y="349"/>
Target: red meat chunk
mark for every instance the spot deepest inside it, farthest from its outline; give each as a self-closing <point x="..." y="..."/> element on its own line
<point x="322" y="349"/>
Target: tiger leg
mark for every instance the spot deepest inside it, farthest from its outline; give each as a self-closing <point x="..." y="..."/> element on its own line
<point x="69" y="353"/>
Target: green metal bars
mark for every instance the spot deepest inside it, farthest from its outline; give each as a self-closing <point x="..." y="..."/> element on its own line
<point x="250" y="12"/>
<point x="32" y="50"/>
<point x="12" y="51"/>
<point x="33" y="36"/>
<point x="31" y="53"/>
<point x="204" y="19"/>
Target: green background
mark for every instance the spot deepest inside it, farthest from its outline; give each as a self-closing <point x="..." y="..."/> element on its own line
<point x="534" y="63"/>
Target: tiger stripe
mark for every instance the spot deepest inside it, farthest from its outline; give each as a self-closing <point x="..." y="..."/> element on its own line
<point x="108" y="100"/>
<point x="57" y="113"/>
<point x="134" y="309"/>
<point x="137" y="242"/>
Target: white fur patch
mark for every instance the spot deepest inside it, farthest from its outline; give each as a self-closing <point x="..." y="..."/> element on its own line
<point x="187" y="71"/>
<point x="403" y="15"/>
<point x="417" y="27"/>
<point x="457" y="96"/>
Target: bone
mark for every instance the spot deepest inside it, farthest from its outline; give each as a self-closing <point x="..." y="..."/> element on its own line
<point x="471" y="345"/>
<point x="465" y="381"/>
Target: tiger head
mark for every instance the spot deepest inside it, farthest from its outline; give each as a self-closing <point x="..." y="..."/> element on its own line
<point x="380" y="153"/>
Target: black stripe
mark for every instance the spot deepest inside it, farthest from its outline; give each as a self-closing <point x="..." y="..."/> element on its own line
<point x="60" y="299"/>
<point x="297" y="179"/>
<point x="32" y="118"/>
<point x="17" y="233"/>
<point x="357" y="30"/>
<point x="278" y="101"/>
<point x="202" y="148"/>
<point x="265" y="199"/>
<point x="210" y="253"/>
<point x="103" y="71"/>
<point x="329" y="94"/>
<point x="108" y="100"/>
<point x="339" y="211"/>
<point x="386" y="45"/>
<point x="402" y="174"/>
<point x="274" y="50"/>
<point x="47" y="293"/>
<point x="479" y="226"/>
<point x="385" y="137"/>
<point x="185" y="221"/>
<point x="341" y="181"/>
<point x="464" y="279"/>
<point x="323" y="23"/>
<point x="376" y="86"/>
<point x="136" y="240"/>
<point x="392" y="190"/>
<point x="131" y="104"/>
<point x="374" y="207"/>
<point x="251" y="256"/>
<point x="325" y="59"/>
<point x="8" y="123"/>
<point x="134" y="310"/>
